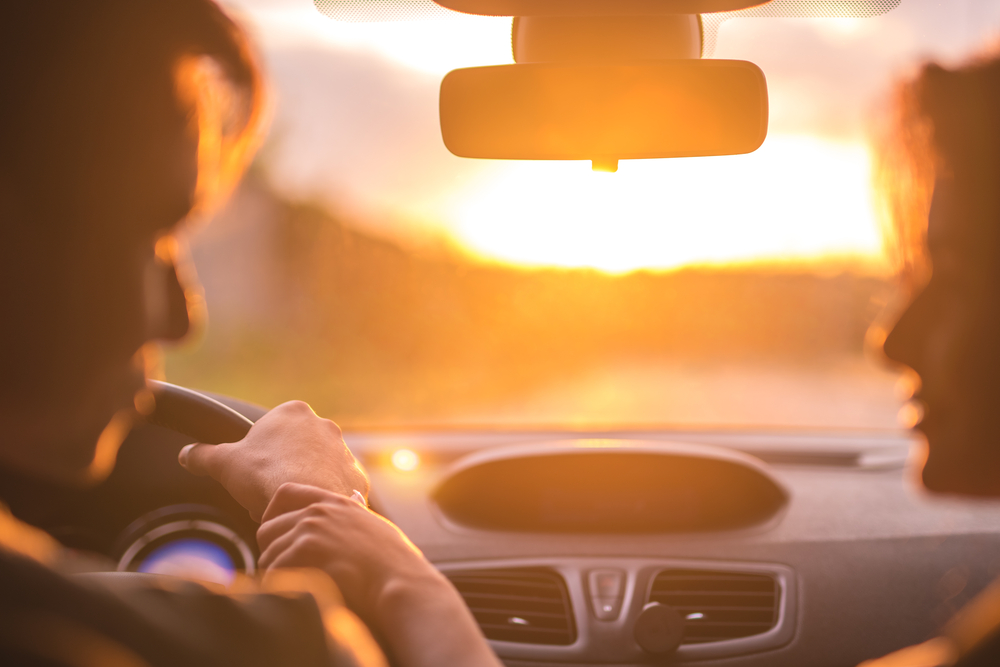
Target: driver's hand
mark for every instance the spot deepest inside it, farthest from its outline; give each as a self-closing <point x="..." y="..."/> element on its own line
<point x="288" y="444"/>
<point x="419" y="616"/>
<point x="366" y="555"/>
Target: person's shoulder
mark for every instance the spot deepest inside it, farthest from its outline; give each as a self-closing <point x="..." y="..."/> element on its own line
<point x="292" y="617"/>
<point x="46" y="617"/>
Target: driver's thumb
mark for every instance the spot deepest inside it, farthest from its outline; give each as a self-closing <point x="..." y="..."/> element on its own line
<point x="199" y="459"/>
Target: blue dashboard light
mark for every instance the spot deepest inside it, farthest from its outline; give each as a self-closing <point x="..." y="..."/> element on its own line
<point x="192" y="558"/>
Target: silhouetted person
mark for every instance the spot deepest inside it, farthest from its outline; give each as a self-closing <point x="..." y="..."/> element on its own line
<point x="947" y="144"/>
<point x="122" y="121"/>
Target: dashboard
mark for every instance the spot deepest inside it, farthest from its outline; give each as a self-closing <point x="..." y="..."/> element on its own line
<point x="758" y="548"/>
<point x="855" y="564"/>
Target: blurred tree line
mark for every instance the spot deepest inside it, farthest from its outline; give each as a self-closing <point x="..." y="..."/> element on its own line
<point x="366" y="329"/>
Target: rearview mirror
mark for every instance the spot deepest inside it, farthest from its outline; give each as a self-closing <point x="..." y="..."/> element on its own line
<point x="606" y="112"/>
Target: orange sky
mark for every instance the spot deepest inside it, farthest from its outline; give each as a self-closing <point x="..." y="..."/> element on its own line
<point x="370" y="147"/>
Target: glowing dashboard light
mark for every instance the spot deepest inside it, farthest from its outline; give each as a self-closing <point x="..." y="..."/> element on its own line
<point x="405" y="460"/>
<point x="191" y="558"/>
<point x="911" y="414"/>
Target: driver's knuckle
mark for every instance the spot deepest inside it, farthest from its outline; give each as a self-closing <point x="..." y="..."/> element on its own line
<point x="335" y="504"/>
<point x="314" y="509"/>
<point x="334" y="428"/>
<point x="310" y="544"/>
<point x="309" y="526"/>
<point x="285" y="490"/>
<point x="322" y="512"/>
<point x="312" y="524"/>
<point x="298" y="407"/>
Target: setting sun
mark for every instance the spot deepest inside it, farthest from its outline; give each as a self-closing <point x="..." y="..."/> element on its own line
<point x="797" y="198"/>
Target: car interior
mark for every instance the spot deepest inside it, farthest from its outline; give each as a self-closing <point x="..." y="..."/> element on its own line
<point x="591" y="287"/>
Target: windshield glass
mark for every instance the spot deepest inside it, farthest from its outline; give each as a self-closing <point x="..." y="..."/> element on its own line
<point x="363" y="268"/>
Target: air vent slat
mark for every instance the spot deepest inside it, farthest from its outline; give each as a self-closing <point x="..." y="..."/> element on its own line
<point x="534" y="614"/>
<point x="713" y="594"/>
<point x="512" y="599"/>
<point x="697" y="626"/>
<point x="727" y="616"/>
<point x="520" y="605"/>
<point x="509" y="596"/>
<point x="507" y="628"/>
<point x="718" y="605"/>
<point x="710" y="607"/>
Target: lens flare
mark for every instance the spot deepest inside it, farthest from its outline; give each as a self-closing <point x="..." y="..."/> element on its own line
<point x="405" y="460"/>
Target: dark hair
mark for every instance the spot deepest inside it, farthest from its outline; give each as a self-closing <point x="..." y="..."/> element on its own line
<point x="945" y="124"/>
<point x="103" y="100"/>
<point x="87" y="84"/>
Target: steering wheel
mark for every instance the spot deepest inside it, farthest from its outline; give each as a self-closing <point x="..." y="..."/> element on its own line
<point x="196" y="415"/>
<point x="202" y="419"/>
<point x="148" y="500"/>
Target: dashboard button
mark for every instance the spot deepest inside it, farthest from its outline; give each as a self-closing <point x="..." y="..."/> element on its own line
<point x="606" y="609"/>
<point x="607" y="588"/>
<point x="606" y="583"/>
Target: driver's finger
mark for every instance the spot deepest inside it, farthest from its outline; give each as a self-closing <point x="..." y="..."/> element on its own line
<point x="200" y="459"/>
<point x="274" y="528"/>
<point x="278" y="547"/>
<point x="291" y="496"/>
<point x="290" y="557"/>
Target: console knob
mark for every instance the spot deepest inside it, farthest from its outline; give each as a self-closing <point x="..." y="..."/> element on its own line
<point x="659" y="629"/>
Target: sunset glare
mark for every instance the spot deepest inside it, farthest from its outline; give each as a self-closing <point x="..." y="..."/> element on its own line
<point x="805" y="197"/>
<point x="797" y="198"/>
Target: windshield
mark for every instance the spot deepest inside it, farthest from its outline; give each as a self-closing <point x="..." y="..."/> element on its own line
<point x="363" y="268"/>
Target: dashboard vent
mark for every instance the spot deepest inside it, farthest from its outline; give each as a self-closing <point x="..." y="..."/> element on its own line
<point x="718" y="605"/>
<point x="518" y="605"/>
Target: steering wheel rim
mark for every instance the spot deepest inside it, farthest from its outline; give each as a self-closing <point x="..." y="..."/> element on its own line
<point x="196" y="415"/>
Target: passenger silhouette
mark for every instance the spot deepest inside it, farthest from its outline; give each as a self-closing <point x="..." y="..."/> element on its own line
<point x="123" y="122"/>
<point x="943" y="179"/>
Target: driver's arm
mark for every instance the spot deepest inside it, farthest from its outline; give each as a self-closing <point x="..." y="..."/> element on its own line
<point x="413" y="609"/>
<point x="295" y="474"/>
